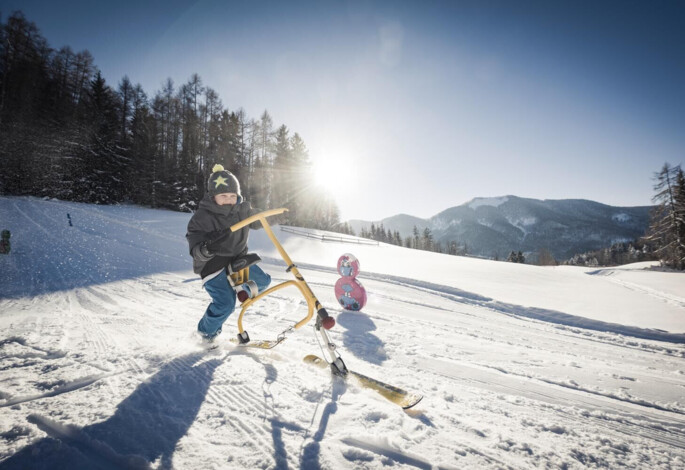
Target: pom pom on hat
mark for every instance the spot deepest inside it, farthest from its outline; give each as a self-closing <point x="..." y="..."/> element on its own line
<point x="217" y="167"/>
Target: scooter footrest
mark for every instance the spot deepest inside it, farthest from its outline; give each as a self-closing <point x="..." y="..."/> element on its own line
<point x="243" y="338"/>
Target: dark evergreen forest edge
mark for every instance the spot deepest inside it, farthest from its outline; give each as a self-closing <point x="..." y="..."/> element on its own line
<point x="66" y="133"/>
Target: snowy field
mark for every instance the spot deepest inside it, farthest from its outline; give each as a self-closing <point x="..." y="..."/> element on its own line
<point x="520" y="366"/>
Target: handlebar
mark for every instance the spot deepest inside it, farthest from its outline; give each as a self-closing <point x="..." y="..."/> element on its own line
<point x="260" y="216"/>
<point x="312" y="302"/>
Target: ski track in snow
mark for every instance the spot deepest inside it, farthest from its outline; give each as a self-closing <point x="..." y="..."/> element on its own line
<point x="99" y="368"/>
<point x="609" y="275"/>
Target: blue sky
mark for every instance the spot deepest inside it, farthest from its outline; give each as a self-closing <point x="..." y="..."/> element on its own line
<point x="425" y="104"/>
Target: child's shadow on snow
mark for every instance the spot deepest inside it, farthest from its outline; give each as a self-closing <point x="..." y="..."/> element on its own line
<point x="358" y="338"/>
<point x="146" y="426"/>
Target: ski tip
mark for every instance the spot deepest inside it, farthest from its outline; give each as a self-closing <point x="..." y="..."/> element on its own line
<point x="315" y="361"/>
<point x="258" y="344"/>
<point x="411" y="402"/>
<point x="312" y="359"/>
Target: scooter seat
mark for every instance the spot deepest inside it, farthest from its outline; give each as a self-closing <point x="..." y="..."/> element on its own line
<point x="243" y="262"/>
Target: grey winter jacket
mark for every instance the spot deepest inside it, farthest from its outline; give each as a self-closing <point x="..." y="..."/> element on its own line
<point x="210" y="224"/>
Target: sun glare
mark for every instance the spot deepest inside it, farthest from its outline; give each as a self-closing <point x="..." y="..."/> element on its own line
<point x="336" y="174"/>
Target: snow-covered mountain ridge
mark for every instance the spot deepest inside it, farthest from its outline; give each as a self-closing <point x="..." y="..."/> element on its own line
<point x="496" y="226"/>
<point x="520" y="366"/>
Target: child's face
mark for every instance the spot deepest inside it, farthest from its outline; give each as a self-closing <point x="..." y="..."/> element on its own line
<point x="226" y="199"/>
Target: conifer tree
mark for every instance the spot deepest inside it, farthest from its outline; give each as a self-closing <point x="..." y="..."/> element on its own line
<point x="667" y="224"/>
<point x="679" y="210"/>
<point x="125" y="92"/>
<point x="301" y="179"/>
<point x="427" y="240"/>
<point x="282" y="181"/>
<point x="102" y="164"/>
<point x="397" y="238"/>
<point x="143" y="171"/>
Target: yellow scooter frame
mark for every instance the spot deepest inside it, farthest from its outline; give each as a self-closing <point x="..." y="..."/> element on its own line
<point x="338" y="367"/>
<point x="299" y="282"/>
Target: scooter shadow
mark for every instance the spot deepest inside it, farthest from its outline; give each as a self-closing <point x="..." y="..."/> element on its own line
<point x="358" y="338"/>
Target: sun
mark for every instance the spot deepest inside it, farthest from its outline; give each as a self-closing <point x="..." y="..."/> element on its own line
<point x="335" y="173"/>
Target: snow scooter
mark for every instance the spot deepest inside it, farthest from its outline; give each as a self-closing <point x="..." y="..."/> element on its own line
<point x="240" y="281"/>
<point x="247" y="293"/>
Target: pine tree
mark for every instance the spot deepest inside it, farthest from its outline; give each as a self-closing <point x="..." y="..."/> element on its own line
<point x="667" y="224"/>
<point x="143" y="171"/>
<point x="24" y="59"/>
<point x="427" y="240"/>
<point x="679" y="210"/>
<point x="283" y="177"/>
<point x="416" y="240"/>
<point x="216" y="140"/>
<point x="105" y="166"/>
<point x="262" y="135"/>
<point x="382" y="234"/>
<point x="166" y="135"/>
<point x="301" y="178"/>
<point x="125" y="93"/>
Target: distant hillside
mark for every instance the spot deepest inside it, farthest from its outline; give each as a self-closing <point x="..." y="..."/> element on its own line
<point x="402" y="223"/>
<point x="496" y="226"/>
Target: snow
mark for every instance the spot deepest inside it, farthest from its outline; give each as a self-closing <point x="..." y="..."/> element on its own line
<point x="487" y="201"/>
<point x="442" y="224"/>
<point x="521" y="366"/>
<point x="522" y="223"/>
<point x="621" y="217"/>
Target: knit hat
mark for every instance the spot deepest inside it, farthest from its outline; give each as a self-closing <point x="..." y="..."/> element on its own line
<point x="222" y="181"/>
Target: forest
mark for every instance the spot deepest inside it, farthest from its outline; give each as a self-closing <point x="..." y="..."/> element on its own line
<point x="66" y="133"/>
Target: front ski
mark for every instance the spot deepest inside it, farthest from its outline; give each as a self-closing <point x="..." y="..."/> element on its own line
<point x="391" y="393"/>
<point x="259" y="343"/>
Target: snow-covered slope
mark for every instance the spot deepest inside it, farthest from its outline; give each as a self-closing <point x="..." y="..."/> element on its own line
<point x="521" y="366"/>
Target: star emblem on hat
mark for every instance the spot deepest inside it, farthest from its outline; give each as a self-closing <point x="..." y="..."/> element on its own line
<point x="219" y="180"/>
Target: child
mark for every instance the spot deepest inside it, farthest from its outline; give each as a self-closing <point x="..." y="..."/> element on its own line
<point x="215" y="248"/>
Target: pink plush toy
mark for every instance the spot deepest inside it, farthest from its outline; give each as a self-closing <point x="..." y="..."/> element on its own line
<point x="348" y="290"/>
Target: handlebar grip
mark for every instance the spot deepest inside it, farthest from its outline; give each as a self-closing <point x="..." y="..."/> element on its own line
<point x="327" y="321"/>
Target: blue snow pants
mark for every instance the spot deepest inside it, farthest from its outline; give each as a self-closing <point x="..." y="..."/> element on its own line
<point x="223" y="299"/>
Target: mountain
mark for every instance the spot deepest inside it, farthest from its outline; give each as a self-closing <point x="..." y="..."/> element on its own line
<point x="402" y="223"/>
<point x="496" y="226"/>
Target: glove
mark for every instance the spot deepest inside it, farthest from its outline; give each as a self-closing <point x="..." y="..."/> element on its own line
<point x="244" y="210"/>
<point x="204" y="250"/>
